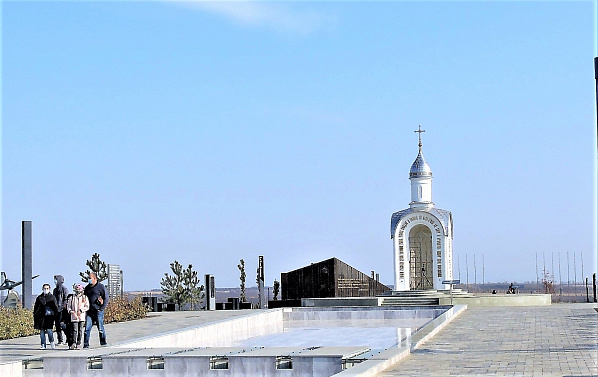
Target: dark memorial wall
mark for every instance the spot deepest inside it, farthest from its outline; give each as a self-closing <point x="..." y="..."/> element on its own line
<point x="328" y="278"/>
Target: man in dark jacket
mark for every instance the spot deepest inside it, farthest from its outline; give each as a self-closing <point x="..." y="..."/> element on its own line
<point x="98" y="299"/>
<point x="60" y="293"/>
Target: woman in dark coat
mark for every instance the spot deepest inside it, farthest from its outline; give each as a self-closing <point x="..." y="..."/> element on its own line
<point x="44" y="312"/>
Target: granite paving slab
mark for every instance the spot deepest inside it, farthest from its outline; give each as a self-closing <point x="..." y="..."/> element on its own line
<point x="555" y="340"/>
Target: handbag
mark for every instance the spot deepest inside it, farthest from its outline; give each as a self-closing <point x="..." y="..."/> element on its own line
<point x="49" y="312"/>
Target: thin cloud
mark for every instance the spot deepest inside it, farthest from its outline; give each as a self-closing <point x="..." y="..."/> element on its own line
<point x="283" y="17"/>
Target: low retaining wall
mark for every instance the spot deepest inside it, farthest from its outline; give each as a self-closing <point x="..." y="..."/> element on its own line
<point x="499" y="300"/>
<point x="12" y="369"/>
<point x="432" y="328"/>
<point x="132" y="358"/>
<point x="340" y="301"/>
<point x="217" y="334"/>
<point x="337" y="313"/>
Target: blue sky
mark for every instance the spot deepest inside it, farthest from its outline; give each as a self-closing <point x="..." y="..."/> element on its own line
<point x="211" y="132"/>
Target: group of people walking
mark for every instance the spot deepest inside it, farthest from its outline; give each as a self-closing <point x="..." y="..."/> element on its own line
<point x="73" y="314"/>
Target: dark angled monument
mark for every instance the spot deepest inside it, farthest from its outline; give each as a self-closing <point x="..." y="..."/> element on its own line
<point x="26" y="263"/>
<point x="329" y="278"/>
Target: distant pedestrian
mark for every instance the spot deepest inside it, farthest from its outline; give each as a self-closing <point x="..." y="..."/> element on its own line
<point x="44" y="312"/>
<point x="98" y="299"/>
<point x="60" y="294"/>
<point x="77" y="305"/>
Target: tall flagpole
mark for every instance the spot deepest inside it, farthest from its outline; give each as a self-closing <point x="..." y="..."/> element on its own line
<point x="537" y="278"/>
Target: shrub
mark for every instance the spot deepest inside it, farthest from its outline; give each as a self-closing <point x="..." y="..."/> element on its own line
<point x="18" y="322"/>
<point x="15" y="323"/>
<point x="121" y="309"/>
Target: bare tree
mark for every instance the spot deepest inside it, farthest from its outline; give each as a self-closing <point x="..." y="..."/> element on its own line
<point x="241" y="267"/>
<point x="259" y="294"/>
<point x="548" y="282"/>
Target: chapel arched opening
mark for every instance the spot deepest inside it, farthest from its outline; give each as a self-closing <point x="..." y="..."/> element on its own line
<point x="421" y="259"/>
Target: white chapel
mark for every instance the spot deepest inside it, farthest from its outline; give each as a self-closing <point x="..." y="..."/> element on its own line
<point x="422" y="235"/>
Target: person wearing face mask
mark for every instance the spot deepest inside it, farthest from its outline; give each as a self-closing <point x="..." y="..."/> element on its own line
<point x="98" y="300"/>
<point x="44" y="312"/>
<point x="77" y="305"/>
<point x="60" y="294"/>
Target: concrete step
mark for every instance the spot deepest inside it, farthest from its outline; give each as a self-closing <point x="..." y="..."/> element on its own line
<point x="431" y="293"/>
<point x="414" y="293"/>
<point x="409" y="301"/>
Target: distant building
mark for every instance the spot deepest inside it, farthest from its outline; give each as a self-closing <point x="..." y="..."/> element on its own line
<point x="115" y="284"/>
<point x="329" y="278"/>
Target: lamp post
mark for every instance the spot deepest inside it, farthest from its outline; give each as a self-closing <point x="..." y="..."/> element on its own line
<point x="595" y="208"/>
<point x="596" y="78"/>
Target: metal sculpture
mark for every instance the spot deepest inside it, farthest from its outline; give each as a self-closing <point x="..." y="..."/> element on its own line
<point x="12" y="299"/>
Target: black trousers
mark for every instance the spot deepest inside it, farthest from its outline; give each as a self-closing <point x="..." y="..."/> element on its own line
<point x="60" y="326"/>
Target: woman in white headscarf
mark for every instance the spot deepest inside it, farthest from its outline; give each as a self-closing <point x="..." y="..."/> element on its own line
<point x="76" y="305"/>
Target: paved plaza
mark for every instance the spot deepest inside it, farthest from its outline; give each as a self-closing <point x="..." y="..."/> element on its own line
<point x="556" y="340"/>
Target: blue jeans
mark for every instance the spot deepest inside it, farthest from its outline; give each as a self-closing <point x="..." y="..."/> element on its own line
<point x="98" y="316"/>
<point x="42" y="335"/>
